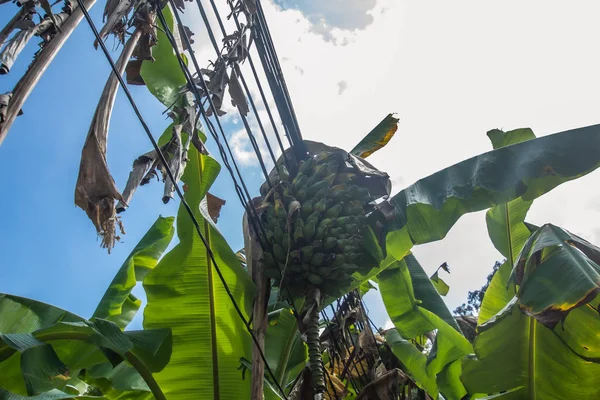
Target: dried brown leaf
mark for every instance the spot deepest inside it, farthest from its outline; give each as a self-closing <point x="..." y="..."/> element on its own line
<point x="95" y="191"/>
<point x="386" y="386"/>
<point x="11" y="51"/>
<point x="115" y="14"/>
<point x="132" y="73"/>
<point x="238" y="98"/>
<point x="214" y="206"/>
<point x="145" y="168"/>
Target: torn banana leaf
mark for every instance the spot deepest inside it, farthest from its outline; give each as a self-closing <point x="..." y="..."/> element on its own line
<point x="377" y="138"/>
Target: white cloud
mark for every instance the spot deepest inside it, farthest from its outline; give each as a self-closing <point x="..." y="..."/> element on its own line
<point x="452" y="71"/>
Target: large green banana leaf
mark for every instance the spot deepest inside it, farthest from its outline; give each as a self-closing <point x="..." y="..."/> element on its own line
<point x="544" y="343"/>
<point x="42" y="347"/>
<point x="185" y="294"/>
<point x="426" y="210"/>
<point x="118" y="304"/>
<point x="412" y="318"/>
<point x="377" y="138"/>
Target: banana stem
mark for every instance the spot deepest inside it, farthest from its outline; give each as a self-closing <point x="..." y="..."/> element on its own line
<point x="314" y="344"/>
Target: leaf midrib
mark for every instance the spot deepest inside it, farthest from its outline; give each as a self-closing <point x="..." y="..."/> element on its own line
<point x="211" y="294"/>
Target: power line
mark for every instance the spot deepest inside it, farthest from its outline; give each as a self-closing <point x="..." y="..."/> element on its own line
<point x="177" y="189"/>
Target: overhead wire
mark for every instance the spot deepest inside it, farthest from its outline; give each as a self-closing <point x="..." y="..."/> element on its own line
<point x="258" y="84"/>
<point x="248" y="205"/>
<point x="177" y="189"/>
<point x="251" y="137"/>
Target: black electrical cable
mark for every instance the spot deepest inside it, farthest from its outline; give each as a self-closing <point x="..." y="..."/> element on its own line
<point x="339" y="347"/>
<point x="246" y="125"/>
<point x="249" y="206"/>
<point x="258" y="119"/>
<point x="299" y="144"/>
<point x="177" y="189"/>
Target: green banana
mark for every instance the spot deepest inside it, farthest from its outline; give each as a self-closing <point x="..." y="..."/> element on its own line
<point x="334" y="211"/>
<point x="321" y="205"/>
<point x="330" y="243"/>
<point x="317" y="259"/>
<point x="309" y="230"/>
<point x="279" y="253"/>
<point x="307" y="166"/>
<point x="314" y="279"/>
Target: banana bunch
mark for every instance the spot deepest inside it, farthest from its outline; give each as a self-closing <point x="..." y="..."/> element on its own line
<point x="314" y="223"/>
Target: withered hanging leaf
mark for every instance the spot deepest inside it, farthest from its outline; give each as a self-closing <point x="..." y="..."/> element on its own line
<point x="214" y="205"/>
<point x="238" y="98"/>
<point x="145" y="17"/>
<point x="386" y="386"/>
<point x="4" y="102"/>
<point x="49" y="14"/>
<point x="216" y="86"/>
<point x="115" y="15"/>
<point x="49" y="27"/>
<point x="247" y="7"/>
<point x="179" y="4"/>
<point x="145" y="166"/>
<point x="177" y="159"/>
<point x="185" y="31"/>
<point x="132" y="73"/>
<point x="95" y="191"/>
<point x="237" y="46"/>
<point x="11" y="51"/>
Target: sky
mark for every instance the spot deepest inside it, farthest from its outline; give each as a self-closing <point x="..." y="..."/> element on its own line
<point x="450" y="70"/>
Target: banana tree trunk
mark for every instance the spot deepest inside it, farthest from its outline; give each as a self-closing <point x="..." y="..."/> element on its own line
<point x="35" y="71"/>
<point x="259" y="316"/>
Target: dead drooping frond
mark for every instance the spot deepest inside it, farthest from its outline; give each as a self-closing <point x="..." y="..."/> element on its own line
<point x="95" y="191"/>
<point x="147" y="166"/>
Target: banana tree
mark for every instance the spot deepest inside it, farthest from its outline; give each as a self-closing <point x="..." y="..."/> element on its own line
<point x="187" y="298"/>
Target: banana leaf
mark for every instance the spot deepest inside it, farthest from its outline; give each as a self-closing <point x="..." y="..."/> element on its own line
<point x="118" y="304"/>
<point x="517" y="354"/>
<point x="42" y="346"/>
<point x="506" y="222"/>
<point x="440" y="285"/>
<point x="413" y="361"/>
<point x="507" y="230"/>
<point x="377" y="138"/>
<point x="544" y="343"/>
<point x="426" y="210"/>
<point x="555" y="273"/>
<point x="498" y="294"/>
<point x="285" y="351"/>
<point x="185" y="294"/>
<point x="163" y="76"/>
<point x="413" y="307"/>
